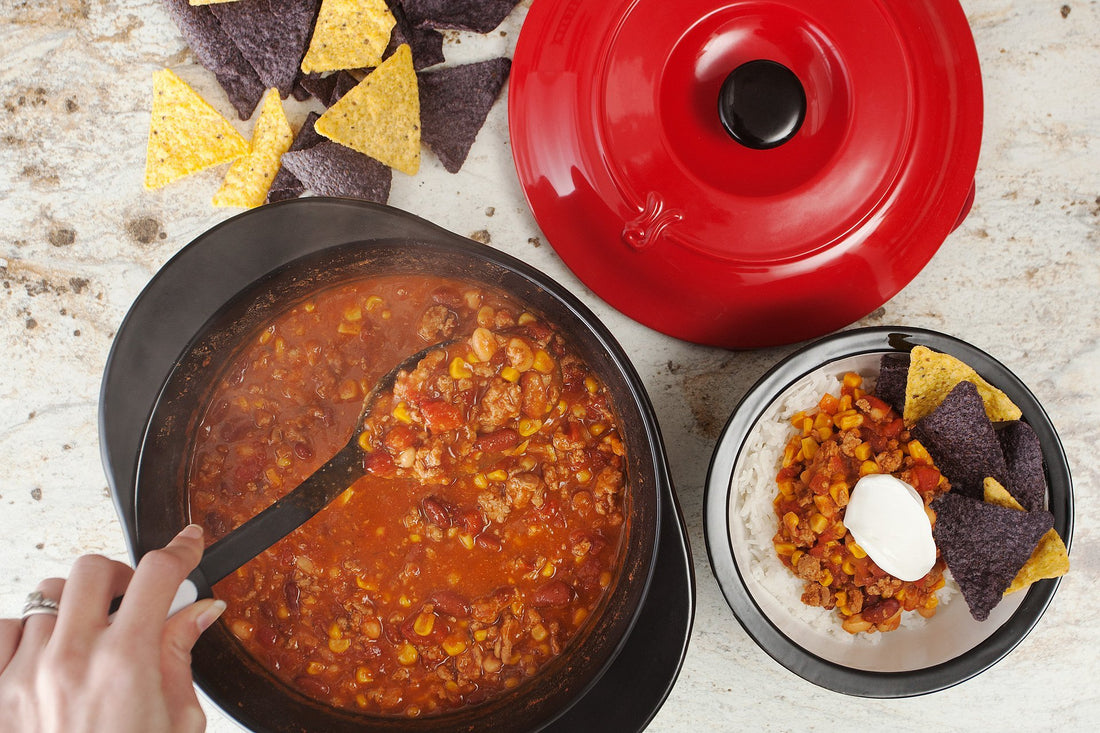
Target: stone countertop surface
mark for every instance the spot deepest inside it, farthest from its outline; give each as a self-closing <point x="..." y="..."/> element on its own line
<point x="80" y="238"/>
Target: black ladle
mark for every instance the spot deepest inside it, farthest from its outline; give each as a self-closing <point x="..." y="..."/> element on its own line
<point x="292" y="510"/>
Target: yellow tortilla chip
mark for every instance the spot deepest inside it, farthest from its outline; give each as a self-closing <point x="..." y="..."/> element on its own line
<point x="932" y="375"/>
<point x="1050" y="559"/>
<point x="186" y="134"/>
<point x="348" y="34"/>
<point x="380" y="116"/>
<point x="249" y="178"/>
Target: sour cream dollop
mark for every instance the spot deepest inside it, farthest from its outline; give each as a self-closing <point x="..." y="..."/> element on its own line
<point x="887" y="519"/>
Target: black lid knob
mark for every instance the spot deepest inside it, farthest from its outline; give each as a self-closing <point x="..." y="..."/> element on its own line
<point x="762" y="104"/>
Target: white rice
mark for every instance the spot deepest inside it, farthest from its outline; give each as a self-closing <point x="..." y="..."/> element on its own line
<point x="754" y="491"/>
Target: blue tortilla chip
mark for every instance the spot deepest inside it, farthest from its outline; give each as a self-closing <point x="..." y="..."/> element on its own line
<point x="271" y="35"/>
<point x="214" y="50"/>
<point x="985" y="545"/>
<point x="286" y="185"/>
<point x="892" y="376"/>
<point x="1023" y="453"/>
<point x="960" y="438"/>
<point x="480" y="16"/>
<point x="426" y="43"/>
<point x="330" y="169"/>
<point x="328" y="89"/>
<point x="454" y="102"/>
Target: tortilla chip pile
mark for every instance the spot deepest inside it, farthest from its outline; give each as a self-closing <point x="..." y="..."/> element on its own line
<point x="992" y="527"/>
<point x="362" y="60"/>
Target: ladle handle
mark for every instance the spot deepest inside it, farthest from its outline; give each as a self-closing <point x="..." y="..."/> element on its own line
<point x="193" y="587"/>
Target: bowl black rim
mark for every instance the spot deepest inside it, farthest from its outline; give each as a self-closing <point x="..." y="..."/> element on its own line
<point x="775" y="643"/>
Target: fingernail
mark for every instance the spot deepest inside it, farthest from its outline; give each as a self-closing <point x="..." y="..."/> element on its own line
<point x="210" y="614"/>
<point x="191" y="532"/>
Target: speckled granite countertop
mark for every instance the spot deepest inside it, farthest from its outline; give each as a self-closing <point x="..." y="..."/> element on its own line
<point x="79" y="238"/>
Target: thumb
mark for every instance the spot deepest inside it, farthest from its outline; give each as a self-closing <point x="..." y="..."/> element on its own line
<point x="180" y="634"/>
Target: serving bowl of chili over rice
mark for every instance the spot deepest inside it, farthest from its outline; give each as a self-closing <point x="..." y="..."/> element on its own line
<point x="781" y="476"/>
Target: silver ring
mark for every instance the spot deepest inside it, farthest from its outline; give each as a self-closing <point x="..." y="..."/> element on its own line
<point x="38" y="603"/>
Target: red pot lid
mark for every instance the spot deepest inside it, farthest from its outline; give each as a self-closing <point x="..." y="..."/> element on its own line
<point x="746" y="174"/>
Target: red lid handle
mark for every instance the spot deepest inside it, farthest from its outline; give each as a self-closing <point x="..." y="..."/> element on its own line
<point x="762" y="104"/>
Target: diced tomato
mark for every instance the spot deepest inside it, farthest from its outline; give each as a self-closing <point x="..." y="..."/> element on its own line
<point x="441" y="416"/>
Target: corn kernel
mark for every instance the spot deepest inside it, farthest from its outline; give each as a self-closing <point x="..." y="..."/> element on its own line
<point x="853" y="380"/>
<point x="857" y="551"/>
<point x="543" y="362"/>
<point x="862" y="451"/>
<point x="840" y="598"/>
<point x="848" y="567"/>
<point x="348" y="329"/>
<point x="334" y="631"/>
<point x="539" y="632"/>
<point x="510" y="374"/>
<point x="339" y="646"/>
<point x="454" y="647"/>
<point x="363" y="675"/>
<point x="273" y="477"/>
<point x="467" y="540"/>
<point x="826" y="577"/>
<point x="315" y="668"/>
<point x="498" y="475"/>
<point x="918" y="452"/>
<point x="526" y="318"/>
<point x="868" y="467"/>
<point x="373" y="302"/>
<point x="591" y="384"/>
<point x="364" y="441"/>
<point x="353" y="313"/>
<point x="848" y="420"/>
<point x="547" y="570"/>
<point x="460" y="369"/>
<point x="528" y="426"/>
<point x="818" y="523"/>
<point x="579" y="616"/>
<point x="266" y="334"/>
<point x="838" y="492"/>
<point x="796" y="556"/>
<point x="481" y="634"/>
<point x="424" y="624"/>
<point x="809" y="448"/>
<point x="401" y="412"/>
<point x="403" y="601"/>
<point x="407" y="654"/>
<point x="791" y="520"/>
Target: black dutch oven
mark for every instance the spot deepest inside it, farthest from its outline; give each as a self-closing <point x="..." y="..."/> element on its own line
<point x="215" y="293"/>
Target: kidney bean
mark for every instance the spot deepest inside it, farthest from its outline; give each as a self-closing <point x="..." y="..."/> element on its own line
<point x="497" y="441"/>
<point x="451" y="603"/>
<point x="554" y="594"/>
<point x="292" y="593"/>
<point x="436" y="511"/>
<point x="881" y="611"/>
<point x="303" y="450"/>
<point x="312" y="687"/>
<point x="488" y="542"/>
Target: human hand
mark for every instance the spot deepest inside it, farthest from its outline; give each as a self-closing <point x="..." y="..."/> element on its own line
<point x="74" y="671"/>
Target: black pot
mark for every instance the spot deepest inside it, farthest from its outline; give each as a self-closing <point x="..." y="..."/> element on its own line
<point x="310" y="244"/>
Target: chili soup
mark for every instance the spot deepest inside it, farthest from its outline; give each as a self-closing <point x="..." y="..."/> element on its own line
<point x="489" y="523"/>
